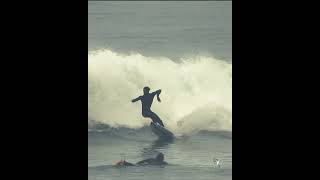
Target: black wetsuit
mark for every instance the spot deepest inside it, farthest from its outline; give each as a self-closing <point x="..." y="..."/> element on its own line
<point x="151" y="161"/>
<point x="146" y="101"/>
<point x="125" y="163"/>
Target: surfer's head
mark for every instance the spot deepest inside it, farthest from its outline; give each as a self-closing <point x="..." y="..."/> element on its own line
<point x="160" y="157"/>
<point x="146" y="90"/>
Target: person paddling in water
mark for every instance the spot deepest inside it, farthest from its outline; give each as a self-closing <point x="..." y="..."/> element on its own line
<point x="146" y="101"/>
<point x="158" y="160"/>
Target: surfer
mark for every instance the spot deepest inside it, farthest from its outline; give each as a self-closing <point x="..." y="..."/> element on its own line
<point x="146" y="101"/>
<point x="159" y="160"/>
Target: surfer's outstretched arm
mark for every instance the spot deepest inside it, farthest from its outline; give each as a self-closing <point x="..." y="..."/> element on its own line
<point x="157" y="92"/>
<point x="136" y="99"/>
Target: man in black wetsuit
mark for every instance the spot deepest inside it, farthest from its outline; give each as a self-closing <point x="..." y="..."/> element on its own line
<point x="146" y="101"/>
<point x="159" y="160"/>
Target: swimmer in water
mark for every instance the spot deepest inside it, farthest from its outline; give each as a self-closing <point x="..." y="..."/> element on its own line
<point x="159" y="160"/>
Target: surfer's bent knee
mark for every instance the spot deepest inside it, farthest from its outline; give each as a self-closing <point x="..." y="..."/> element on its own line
<point x="147" y="114"/>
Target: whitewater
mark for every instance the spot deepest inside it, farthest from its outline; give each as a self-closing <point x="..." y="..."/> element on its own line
<point x="196" y="91"/>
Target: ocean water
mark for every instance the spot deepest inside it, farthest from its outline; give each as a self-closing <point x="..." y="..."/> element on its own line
<point x="183" y="48"/>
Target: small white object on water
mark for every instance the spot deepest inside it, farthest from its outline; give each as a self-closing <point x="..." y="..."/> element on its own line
<point x="217" y="162"/>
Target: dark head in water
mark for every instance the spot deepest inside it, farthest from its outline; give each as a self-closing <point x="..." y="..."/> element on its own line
<point x="146" y="90"/>
<point x="160" y="157"/>
<point x="159" y="160"/>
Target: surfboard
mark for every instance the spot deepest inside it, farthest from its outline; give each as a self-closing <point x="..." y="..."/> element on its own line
<point x="160" y="131"/>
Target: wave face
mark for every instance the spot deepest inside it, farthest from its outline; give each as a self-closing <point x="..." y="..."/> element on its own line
<point x="196" y="91"/>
